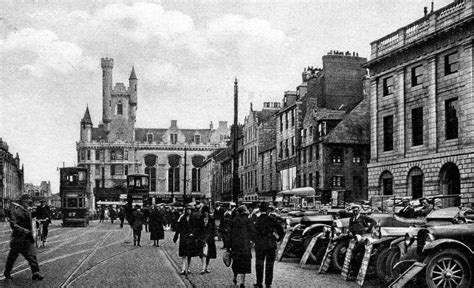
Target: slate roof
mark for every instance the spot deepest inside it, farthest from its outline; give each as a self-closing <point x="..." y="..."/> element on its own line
<point x="99" y="134"/>
<point x="132" y="75"/>
<point x="354" y="128"/>
<point x="141" y="134"/>
<point x="328" y="114"/>
<point x="87" y="117"/>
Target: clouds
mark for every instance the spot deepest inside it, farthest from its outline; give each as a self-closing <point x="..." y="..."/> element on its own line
<point x="44" y="52"/>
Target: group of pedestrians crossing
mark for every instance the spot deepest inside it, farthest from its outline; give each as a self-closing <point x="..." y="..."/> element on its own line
<point x="240" y="231"/>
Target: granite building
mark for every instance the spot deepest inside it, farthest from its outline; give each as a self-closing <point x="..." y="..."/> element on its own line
<point x="421" y="101"/>
<point x="11" y="176"/>
<point x="116" y="148"/>
<point x="256" y="131"/>
<point x="333" y="143"/>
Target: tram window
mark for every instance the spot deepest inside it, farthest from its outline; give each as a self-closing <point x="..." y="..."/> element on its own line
<point x="70" y="178"/>
<point x="82" y="175"/>
<point x="145" y="181"/>
<point x="131" y="181"/>
<point x="138" y="183"/>
<point x="72" y="202"/>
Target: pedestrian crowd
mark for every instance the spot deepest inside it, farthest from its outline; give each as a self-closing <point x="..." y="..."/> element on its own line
<point x="240" y="231"/>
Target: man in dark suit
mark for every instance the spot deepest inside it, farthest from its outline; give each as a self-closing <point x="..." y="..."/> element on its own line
<point x="22" y="238"/>
<point x="359" y="225"/>
<point x="407" y="211"/>
<point x="266" y="234"/>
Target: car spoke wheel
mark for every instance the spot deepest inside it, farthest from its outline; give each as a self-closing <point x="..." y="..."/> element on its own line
<point x="392" y="259"/>
<point x="380" y="267"/>
<point x="339" y="255"/>
<point x="448" y="268"/>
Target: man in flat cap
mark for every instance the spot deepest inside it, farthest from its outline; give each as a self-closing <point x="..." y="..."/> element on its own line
<point x="359" y="225"/>
<point x="22" y="238"/>
<point x="407" y="211"/>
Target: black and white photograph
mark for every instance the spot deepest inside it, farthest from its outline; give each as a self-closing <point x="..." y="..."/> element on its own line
<point x="237" y="143"/>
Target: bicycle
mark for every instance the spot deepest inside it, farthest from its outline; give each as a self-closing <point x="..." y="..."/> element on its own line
<point x="40" y="239"/>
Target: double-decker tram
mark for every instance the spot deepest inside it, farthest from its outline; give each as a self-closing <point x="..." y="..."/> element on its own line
<point x="74" y="196"/>
<point x="137" y="190"/>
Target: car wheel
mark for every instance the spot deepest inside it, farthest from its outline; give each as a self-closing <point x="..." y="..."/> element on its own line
<point x="381" y="267"/>
<point x="392" y="259"/>
<point x="448" y="268"/>
<point x="339" y="255"/>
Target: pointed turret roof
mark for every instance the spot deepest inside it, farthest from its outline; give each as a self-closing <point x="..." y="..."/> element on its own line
<point x="132" y="74"/>
<point x="87" y="117"/>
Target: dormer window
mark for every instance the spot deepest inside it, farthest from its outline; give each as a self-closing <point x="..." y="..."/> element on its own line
<point x="149" y="137"/>
<point x="173" y="138"/>
<point x="120" y="108"/>
<point x="197" y="139"/>
<point x="322" y="129"/>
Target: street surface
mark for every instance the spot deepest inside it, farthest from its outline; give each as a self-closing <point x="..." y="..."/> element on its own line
<point x="102" y="255"/>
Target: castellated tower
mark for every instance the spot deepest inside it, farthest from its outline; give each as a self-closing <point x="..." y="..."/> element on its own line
<point x="119" y="105"/>
<point x="107" y="66"/>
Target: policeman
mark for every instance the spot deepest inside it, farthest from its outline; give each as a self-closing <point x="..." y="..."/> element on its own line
<point x="22" y="238"/>
<point x="43" y="212"/>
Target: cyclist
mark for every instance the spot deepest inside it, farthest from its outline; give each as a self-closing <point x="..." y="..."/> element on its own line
<point x="43" y="216"/>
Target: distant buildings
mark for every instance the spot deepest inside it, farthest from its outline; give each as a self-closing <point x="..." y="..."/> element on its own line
<point x="422" y="106"/>
<point x="11" y="176"/>
<point x="116" y="148"/>
<point x="317" y="137"/>
<point x="42" y="191"/>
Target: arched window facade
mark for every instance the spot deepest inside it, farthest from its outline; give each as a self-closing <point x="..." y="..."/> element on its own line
<point x="150" y="170"/>
<point x="415" y="183"/>
<point x="173" y="173"/>
<point x="197" y="162"/>
<point x="386" y="183"/>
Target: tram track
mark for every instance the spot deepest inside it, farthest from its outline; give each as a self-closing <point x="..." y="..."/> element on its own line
<point x="109" y="258"/>
<point x="71" y="272"/>
<point x="41" y="252"/>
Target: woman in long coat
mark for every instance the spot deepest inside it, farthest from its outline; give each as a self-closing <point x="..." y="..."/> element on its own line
<point x="241" y="229"/>
<point x="188" y="242"/>
<point x="206" y="233"/>
<point x="156" y="226"/>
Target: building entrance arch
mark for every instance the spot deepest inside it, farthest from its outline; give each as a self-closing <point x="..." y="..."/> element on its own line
<point x="449" y="179"/>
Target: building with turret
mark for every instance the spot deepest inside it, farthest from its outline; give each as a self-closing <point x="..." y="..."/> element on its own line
<point x="11" y="176"/>
<point x="116" y="148"/>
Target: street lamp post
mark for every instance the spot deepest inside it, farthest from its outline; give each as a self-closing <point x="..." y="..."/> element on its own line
<point x="184" y="184"/>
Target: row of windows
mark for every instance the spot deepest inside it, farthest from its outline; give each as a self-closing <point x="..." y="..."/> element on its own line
<point x="249" y="156"/>
<point x="306" y="180"/>
<point x="250" y="134"/>
<point x="270" y="182"/>
<point x="284" y="121"/>
<point x="248" y="179"/>
<point x="116" y="154"/>
<point x="451" y="65"/>
<point x="174" y="138"/>
<point x="285" y="149"/>
<point x="451" y="125"/>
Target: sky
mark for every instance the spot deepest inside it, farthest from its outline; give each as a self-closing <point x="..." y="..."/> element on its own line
<point x="186" y="55"/>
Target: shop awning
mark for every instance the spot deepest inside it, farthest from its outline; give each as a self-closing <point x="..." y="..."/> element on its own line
<point x="303" y="191"/>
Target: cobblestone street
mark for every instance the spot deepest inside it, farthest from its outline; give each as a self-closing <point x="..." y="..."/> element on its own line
<point x="286" y="273"/>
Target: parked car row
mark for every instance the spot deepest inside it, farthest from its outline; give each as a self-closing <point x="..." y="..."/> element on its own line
<point x="436" y="250"/>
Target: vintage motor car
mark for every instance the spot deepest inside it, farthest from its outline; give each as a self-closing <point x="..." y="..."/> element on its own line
<point x="444" y="251"/>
